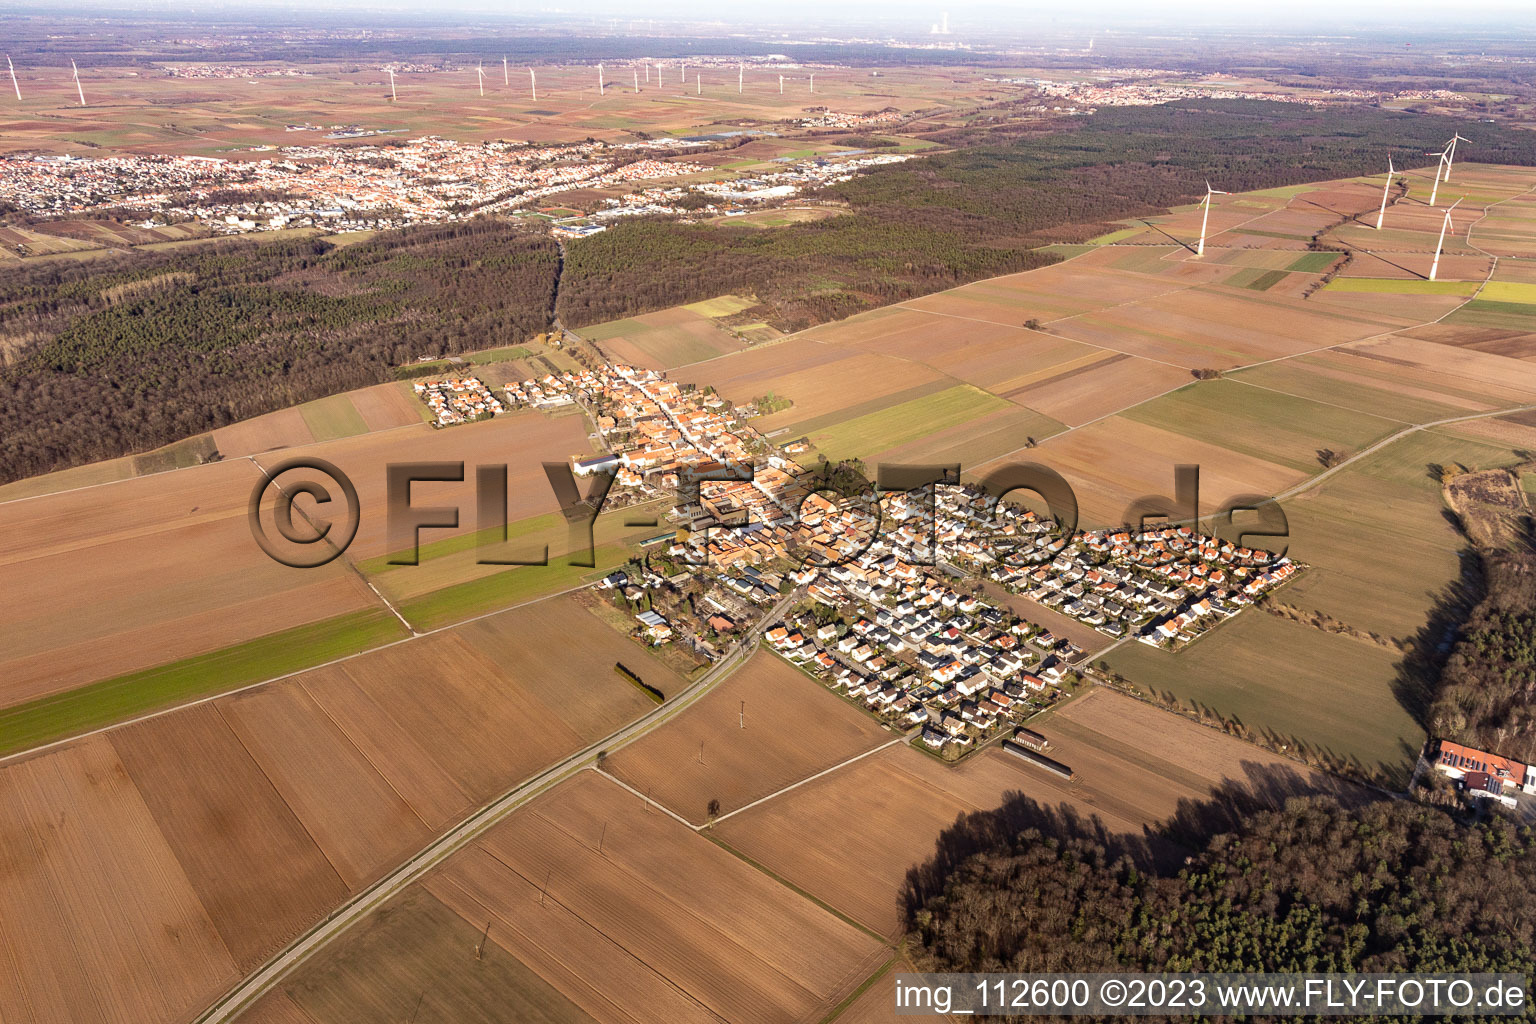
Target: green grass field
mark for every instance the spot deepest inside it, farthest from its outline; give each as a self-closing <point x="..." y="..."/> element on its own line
<point x="1395" y="286"/>
<point x="192" y="451"/>
<point x="1332" y="692"/>
<point x="1376" y="534"/>
<point x="1512" y="316"/>
<point x="863" y="436"/>
<point x="333" y="418"/>
<point x="113" y="700"/>
<point x="1298" y="377"/>
<point x="512" y="586"/>
<point x="1265" y="424"/>
<point x="1314" y="262"/>
<point x="1115" y="236"/>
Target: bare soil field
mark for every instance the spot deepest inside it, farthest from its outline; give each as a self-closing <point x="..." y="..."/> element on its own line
<point x="634" y="917"/>
<point x="111" y="579"/>
<point x="215" y="116"/>
<point x="794" y="729"/>
<point x="259" y="873"/>
<point x="415" y="960"/>
<point x="1064" y="289"/>
<point x="1115" y="461"/>
<point x="452" y="719"/>
<point x="1099" y="388"/>
<point x="359" y="822"/>
<point x="521" y="440"/>
<point x="87" y="871"/>
<point x="282" y="429"/>
<point x="1505" y="381"/>
<point x="303" y="791"/>
<point x="386" y="406"/>
<point x="662" y="340"/>
<point x="823" y="389"/>
<point x="1414" y="267"/>
<point x="850" y="837"/>
<point x="1222" y="328"/>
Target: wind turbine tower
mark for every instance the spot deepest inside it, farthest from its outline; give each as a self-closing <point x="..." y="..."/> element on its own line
<point x="600" y="91"/>
<point x="14" y="83"/>
<point x="78" y="87"/>
<point x="944" y="24"/>
<point x="1450" y="157"/>
<point x="392" y="97"/>
<point x="698" y="84"/>
<point x="1382" y="213"/>
<point x="481" y="71"/>
<point x="781" y="85"/>
<point x="533" y="84"/>
<point x="1433" y="192"/>
<point x="637" y="80"/>
<point x="1206" y="216"/>
<point x="740" y="74"/>
<point x="506" y="79"/>
<point x="813" y="83"/>
<point x="1444" y="226"/>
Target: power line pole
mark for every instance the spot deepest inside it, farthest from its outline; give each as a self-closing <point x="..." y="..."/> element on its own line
<point x="742" y="718"/>
<point x="480" y="949"/>
<point x="602" y="836"/>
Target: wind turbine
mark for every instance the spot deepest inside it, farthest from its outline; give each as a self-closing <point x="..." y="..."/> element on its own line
<point x="600" y="90"/>
<point x="647" y="73"/>
<point x="682" y="73"/>
<point x="813" y="83"/>
<point x="78" y="87"/>
<point x="1434" y="191"/>
<point x="392" y="97"/>
<point x="505" y="78"/>
<point x="740" y="74"/>
<point x="1450" y="157"/>
<point x="781" y="85"/>
<point x="637" y="80"/>
<point x="1384" y="190"/>
<point x="1444" y="226"/>
<point x="1205" y="217"/>
<point x="533" y="84"/>
<point x="481" y="71"/>
<point x="13" y="78"/>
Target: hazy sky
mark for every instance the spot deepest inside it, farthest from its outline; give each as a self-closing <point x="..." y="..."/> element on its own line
<point x="968" y="17"/>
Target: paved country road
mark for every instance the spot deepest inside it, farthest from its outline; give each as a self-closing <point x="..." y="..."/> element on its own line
<point x="260" y="981"/>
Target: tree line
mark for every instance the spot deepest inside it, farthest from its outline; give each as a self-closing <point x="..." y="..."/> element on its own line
<point x="1315" y="886"/>
<point x="128" y="353"/>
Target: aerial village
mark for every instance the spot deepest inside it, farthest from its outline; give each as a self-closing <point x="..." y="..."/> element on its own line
<point x="897" y="600"/>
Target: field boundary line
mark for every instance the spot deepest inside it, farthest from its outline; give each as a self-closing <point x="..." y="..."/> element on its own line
<point x="343" y="556"/>
<point x="649" y="801"/>
<point x="884" y="940"/>
<point x="256" y="983"/>
<point x="808" y="778"/>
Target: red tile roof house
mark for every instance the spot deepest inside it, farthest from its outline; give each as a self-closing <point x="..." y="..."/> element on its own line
<point x="1462" y="762"/>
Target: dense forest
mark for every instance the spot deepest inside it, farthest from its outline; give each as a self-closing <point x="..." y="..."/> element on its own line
<point x="122" y="354"/>
<point x="1392" y="887"/>
<point x="1487" y="691"/>
<point x="977" y="210"/>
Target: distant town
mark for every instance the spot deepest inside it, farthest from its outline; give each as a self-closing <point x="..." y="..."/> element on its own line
<point x="397" y="183"/>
